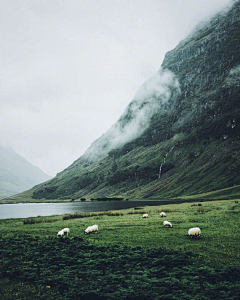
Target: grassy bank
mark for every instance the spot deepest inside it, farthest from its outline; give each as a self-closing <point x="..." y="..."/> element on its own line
<point x="130" y="257"/>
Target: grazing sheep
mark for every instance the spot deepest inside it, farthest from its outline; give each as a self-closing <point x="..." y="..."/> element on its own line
<point x="60" y="233"/>
<point x="93" y="228"/>
<point x="67" y="230"/>
<point x="145" y="216"/>
<point x="167" y="224"/>
<point x="162" y="214"/>
<point x="63" y="231"/>
<point x="194" y="232"/>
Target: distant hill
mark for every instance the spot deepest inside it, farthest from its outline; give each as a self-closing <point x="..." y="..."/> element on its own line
<point x="17" y="174"/>
<point x="179" y="136"/>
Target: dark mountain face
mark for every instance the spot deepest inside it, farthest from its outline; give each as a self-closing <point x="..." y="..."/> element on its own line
<point x="207" y="66"/>
<point x="180" y="134"/>
<point x="17" y="174"/>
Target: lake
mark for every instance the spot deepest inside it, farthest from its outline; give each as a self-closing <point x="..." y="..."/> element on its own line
<point x="26" y="210"/>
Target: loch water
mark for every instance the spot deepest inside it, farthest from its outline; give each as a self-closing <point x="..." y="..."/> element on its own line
<point x="26" y="210"/>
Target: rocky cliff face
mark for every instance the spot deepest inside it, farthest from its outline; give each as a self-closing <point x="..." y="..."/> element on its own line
<point x="207" y="67"/>
<point x="190" y="141"/>
<point x="205" y="64"/>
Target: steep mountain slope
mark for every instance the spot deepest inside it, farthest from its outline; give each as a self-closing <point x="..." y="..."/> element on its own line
<point x="17" y="174"/>
<point x="180" y="134"/>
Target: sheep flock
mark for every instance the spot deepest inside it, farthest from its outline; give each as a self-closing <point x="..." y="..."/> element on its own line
<point x="194" y="232"/>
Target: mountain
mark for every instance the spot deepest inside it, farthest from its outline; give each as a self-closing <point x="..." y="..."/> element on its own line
<point x="17" y="174"/>
<point x="179" y="136"/>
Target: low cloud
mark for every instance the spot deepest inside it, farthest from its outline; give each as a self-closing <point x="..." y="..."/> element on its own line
<point x="149" y="99"/>
<point x="235" y="71"/>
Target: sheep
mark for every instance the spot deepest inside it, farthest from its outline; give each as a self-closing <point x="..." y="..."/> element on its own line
<point x="60" y="233"/>
<point x="167" y="224"/>
<point x="145" y="216"/>
<point x="67" y="230"/>
<point x="63" y="231"/>
<point x="194" y="232"/>
<point x="162" y="214"/>
<point x="93" y="228"/>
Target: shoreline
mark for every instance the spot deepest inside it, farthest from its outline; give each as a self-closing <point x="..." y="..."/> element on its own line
<point x="48" y="209"/>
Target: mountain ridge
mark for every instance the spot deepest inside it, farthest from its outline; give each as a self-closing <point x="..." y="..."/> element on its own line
<point x="191" y="142"/>
<point x="17" y="174"/>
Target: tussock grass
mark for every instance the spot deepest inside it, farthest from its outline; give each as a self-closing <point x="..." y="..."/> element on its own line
<point x="87" y="215"/>
<point x="136" y="212"/>
<point x="34" y="221"/>
<point x="167" y="210"/>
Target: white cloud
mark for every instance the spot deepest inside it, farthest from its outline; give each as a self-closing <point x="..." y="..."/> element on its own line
<point x="149" y="99"/>
<point x="235" y="71"/>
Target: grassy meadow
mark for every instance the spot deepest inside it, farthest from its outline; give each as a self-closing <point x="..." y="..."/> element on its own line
<point x="129" y="258"/>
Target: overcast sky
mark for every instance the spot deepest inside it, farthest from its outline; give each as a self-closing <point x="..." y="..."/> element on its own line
<point x="69" y="68"/>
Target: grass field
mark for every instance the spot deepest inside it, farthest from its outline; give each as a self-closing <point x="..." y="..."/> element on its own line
<point x="130" y="257"/>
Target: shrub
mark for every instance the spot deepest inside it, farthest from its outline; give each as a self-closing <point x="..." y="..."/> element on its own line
<point x="33" y="221"/>
<point x="87" y="215"/>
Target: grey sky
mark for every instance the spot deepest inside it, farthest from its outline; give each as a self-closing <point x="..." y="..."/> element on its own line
<point x="68" y="69"/>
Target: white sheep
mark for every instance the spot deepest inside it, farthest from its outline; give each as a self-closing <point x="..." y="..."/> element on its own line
<point x="194" y="232"/>
<point x="167" y="224"/>
<point x="162" y="214"/>
<point x="145" y="216"/>
<point x="63" y="231"/>
<point x="60" y="233"/>
<point x="93" y="228"/>
<point x="67" y="230"/>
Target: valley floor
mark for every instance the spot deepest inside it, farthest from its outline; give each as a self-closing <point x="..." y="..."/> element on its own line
<point x="129" y="258"/>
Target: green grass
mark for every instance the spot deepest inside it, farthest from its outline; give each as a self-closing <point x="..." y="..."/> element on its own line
<point x="227" y="193"/>
<point x="130" y="257"/>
